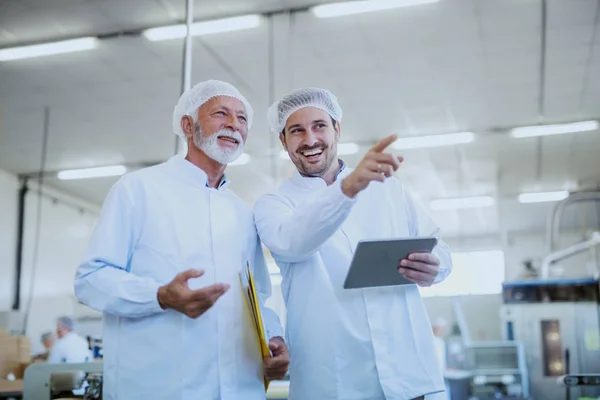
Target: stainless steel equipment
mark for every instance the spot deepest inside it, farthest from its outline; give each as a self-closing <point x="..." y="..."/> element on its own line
<point x="498" y="370"/>
<point x="42" y="381"/>
<point x="553" y="228"/>
<point x="558" y="322"/>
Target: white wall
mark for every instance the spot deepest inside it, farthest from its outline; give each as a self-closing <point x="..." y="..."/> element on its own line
<point x="65" y="228"/>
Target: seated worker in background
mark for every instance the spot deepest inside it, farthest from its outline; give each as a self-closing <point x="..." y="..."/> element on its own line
<point x="47" y="340"/>
<point x="163" y="266"/>
<point x="70" y="346"/>
<point x="373" y="343"/>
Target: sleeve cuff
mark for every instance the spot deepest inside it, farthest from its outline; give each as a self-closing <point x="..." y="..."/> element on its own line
<point x="340" y="196"/>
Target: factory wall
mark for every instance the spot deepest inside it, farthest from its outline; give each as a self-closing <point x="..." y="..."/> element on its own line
<point x="66" y="225"/>
<point x="64" y="230"/>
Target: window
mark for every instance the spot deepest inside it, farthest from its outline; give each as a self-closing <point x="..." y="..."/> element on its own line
<point x="476" y="272"/>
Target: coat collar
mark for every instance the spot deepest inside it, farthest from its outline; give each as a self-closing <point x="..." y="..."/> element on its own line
<point x="315" y="182"/>
<point x="194" y="173"/>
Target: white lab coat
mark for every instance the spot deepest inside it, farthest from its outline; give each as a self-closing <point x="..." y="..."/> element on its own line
<point x="72" y="349"/>
<point x="373" y="343"/>
<point x="155" y="223"/>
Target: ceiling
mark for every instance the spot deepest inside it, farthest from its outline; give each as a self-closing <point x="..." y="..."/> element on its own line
<point x="455" y="65"/>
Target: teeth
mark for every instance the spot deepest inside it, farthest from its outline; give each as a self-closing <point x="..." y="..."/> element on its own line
<point x="312" y="152"/>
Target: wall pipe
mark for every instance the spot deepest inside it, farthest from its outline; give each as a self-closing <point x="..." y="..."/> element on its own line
<point x="553" y="224"/>
<point x="16" y="305"/>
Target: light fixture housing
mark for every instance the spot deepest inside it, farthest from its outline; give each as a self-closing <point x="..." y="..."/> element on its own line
<point x="461" y="203"/>
<point x="415" y="142"/>
<point x="542" y="197"/>
<point x="86" y="173"/>
<point x="48" y="49"/>
<point x="359" y="7"/>
<point x="558" y="129"/>
<point x="203" y="28"/>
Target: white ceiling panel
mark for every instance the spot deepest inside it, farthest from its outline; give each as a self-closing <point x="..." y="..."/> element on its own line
<point x="455" y="65"/>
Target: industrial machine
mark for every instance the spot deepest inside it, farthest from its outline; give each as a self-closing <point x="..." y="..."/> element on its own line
<point x="57" y="381"/>
<point x="498" y="371"/>
<point x="557" y="319"/>
<point x="558" y="323"/>
<point x="51" y="381"/>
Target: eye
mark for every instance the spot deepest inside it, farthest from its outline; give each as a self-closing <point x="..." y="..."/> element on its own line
<point x="242" y="118"/>
<point x="220" y="113"/>
<point x="321" y="125"/>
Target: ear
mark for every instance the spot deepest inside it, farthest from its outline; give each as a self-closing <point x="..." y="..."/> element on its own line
<point x="187" y="126"/>
<point x="282" y="140"/>
<point x="338" y="129"/>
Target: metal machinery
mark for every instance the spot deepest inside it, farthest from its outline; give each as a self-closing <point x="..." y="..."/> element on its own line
<point x="557" y="319"/>
<point x="497" y="370"/>
<point x="57" y="381"/>
<point x="51" y="381"/>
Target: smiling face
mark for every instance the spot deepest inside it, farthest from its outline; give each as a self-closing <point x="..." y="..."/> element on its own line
<point x="310" y="137"/>
<point x="222" y="129"/>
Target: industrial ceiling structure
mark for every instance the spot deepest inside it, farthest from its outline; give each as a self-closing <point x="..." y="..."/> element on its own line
<point x="477" y="68"/>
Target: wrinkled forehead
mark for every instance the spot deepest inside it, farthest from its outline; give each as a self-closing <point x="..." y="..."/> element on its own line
<point x="227" y="102"/>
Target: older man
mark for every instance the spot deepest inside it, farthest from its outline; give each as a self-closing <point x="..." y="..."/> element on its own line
<point x="48" y="339"/>
<point x="373" y="343"/>
<point x="164" y="262"/>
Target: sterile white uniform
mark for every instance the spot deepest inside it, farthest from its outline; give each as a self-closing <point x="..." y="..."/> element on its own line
<point x="362" y="344"/>
<point x="155" y="223"/>
<point x="70" y="348"/>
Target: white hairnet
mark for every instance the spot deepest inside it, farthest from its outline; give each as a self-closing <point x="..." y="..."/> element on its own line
<point x="323" y="99"/>
<point x="193" y="98"/>
<point x="66" y="322"/>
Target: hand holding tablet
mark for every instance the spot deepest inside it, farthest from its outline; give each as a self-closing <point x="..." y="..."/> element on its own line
<point x="392" y="262"/>
<point x="420" y="268"/>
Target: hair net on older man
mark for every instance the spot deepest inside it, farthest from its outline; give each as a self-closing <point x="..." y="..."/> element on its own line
<point x="193" y="98"/>
<point x="323" y="99"/>
<point x="66" y="322"/>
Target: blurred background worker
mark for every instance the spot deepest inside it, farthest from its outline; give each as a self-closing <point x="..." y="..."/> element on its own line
<point x="48" y="339"/>
<point x="70" y="346"/>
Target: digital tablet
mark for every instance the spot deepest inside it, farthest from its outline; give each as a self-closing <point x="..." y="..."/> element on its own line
<point x="375" y="262"/>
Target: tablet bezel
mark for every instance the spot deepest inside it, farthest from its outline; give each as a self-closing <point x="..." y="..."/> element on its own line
<point x="386" y="255"/>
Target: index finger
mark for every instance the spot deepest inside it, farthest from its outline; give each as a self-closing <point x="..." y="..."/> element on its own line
<point x="383" y="143"/>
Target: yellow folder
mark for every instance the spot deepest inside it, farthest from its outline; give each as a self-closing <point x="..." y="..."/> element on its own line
<point x="254" y="304"/>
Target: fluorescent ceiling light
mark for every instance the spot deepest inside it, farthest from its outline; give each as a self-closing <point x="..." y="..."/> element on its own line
<point x="542" y="197"/>
<point x="243" y="159"/>
<point x="113" y="170"/>
<point x="203" y="28"/>
<point x="358" y="7"/>
<point x="343" y="149"/>
<point x="433" y="140"/>
<point x="48" y="49"/>
<point x="461" y="203"/>
<point x="546" y="130"/>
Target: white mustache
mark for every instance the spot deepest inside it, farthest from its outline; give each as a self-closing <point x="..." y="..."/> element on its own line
<point x="232" y="134"/>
